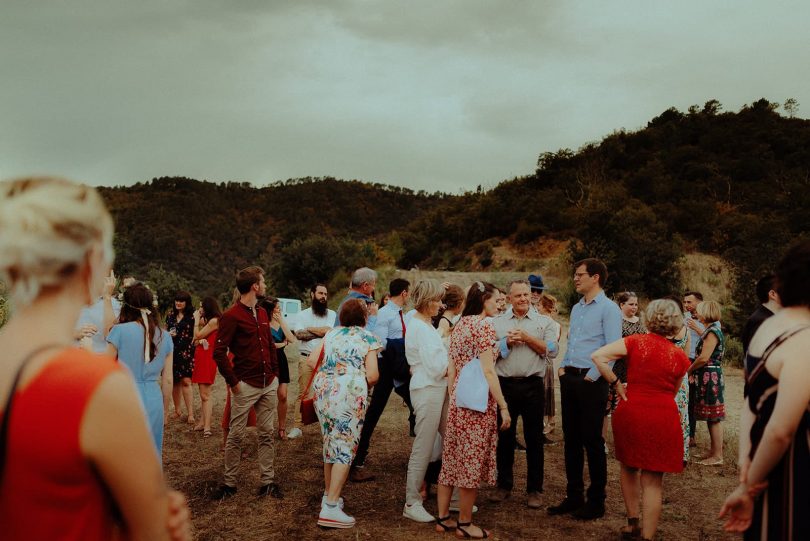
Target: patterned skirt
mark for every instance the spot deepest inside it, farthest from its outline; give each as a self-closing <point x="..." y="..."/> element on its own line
<point x="710" y="404"/>
<point x="682" y="400"/>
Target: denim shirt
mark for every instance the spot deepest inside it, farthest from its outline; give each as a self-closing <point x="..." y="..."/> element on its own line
<point x="593" y="325"/>
<point x="372" y="320"/>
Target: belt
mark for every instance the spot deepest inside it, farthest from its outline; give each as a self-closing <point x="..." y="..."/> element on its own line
<point x="521" y="378"/>
<point x="578" y="371"/>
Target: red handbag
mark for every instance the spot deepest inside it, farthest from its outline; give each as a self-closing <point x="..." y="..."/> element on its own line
<point x="308" y="415"/>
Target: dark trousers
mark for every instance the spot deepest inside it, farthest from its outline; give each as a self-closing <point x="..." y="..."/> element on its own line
<point x="583" y="412"/>
<point x="525" y="398"/>
<point x="379" y="398"/>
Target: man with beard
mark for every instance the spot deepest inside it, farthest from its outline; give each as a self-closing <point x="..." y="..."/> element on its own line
<point x="310" y="327"/>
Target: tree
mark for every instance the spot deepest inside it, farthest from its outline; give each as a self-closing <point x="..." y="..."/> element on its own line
<point x="791" y="107"/>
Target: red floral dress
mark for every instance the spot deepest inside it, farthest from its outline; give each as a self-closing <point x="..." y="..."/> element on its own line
<point x="468" y="457"/>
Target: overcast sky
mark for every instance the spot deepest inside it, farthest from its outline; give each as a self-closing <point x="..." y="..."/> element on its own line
<point x="435" y="95"/>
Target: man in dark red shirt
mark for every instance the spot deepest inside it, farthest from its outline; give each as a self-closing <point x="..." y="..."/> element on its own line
<point x="252" y="376"/>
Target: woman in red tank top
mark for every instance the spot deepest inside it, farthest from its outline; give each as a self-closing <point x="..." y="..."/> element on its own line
<point x="78" y="462"/>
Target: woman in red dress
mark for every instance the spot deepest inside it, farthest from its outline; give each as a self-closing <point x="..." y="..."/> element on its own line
<point x="470" y="438"/>
<point x="76" y="450"/>
<point x="646" y="424"/>
<point x="206" y="323"/>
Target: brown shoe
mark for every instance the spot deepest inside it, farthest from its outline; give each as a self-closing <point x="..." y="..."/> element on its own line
<point x="499" y="495"/>
<point x="534" y="500"/>
<point x="360" y="475"/>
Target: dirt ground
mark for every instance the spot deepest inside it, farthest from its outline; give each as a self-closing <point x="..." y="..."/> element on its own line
<point x="194" y="466"/>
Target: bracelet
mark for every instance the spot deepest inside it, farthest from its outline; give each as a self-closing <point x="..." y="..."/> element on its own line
<point x="614" y="382"/>
<point x="504" y="408"/>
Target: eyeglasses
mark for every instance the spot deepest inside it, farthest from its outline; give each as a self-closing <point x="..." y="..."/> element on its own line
<point x="580" y="274"/>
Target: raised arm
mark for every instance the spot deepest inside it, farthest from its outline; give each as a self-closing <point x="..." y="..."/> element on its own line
<point x="709" y="343"/>
<point x="204" y="331"/>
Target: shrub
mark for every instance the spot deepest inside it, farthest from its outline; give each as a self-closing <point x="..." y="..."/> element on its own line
<point x="734" y="352"/>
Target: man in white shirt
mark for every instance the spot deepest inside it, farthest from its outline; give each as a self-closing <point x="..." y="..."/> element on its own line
<point x="310" y="327"/>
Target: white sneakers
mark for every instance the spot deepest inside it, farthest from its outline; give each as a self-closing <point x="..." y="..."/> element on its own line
<point x="417" y="513"/>
<point x="334" y="517"/>
<point x="294" y="433"/>
<point x="323" y="501"/>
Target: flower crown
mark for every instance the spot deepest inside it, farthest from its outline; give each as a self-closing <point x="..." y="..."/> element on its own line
<point x="120" y="295"/>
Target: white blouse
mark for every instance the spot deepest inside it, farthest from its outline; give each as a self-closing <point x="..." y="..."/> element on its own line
<point x="426" y="355"/>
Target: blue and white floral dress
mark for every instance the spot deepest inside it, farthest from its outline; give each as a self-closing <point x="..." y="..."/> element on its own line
<point x="341" y="391"/>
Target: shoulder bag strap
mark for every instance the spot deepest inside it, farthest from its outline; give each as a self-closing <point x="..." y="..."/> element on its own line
<point x="315" y="370"/>
<point x="4" y="422"/>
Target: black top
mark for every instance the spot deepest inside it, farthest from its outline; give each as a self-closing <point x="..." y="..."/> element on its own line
<point x="751" y="326"/>
<point x="785" y="516"/>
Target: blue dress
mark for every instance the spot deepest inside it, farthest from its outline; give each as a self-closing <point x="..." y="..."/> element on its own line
<point x="128" y="340"/>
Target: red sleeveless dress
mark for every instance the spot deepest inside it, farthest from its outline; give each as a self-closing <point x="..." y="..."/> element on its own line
<point x="205" y="368"/>
<point x="647" y="427"/>
<point x="49" y="489"/>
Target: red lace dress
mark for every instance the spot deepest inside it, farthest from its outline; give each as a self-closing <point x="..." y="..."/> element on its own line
<point x="647" y="427"/>
<point x="470" y="439"/>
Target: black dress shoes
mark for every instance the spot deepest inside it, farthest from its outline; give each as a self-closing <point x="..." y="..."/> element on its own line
<point x="590" y="511"/>
<point x="270" y="489"/>
<point x="568" y="505"/>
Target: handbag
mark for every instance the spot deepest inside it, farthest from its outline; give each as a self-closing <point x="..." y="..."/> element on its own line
<point x="472" y="389"/>
<point x="308" y="414"/>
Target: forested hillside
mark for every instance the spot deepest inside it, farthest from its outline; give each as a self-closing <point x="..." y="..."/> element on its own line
<point x="736" y="184"/>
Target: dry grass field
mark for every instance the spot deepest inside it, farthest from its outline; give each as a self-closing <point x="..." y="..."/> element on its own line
<point x="194" y="465"/>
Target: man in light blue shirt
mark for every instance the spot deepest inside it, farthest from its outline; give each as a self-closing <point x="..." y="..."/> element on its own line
<point x="595" y="322"/>
<point x="390" y="328"/>
<point x="364" y="281"/>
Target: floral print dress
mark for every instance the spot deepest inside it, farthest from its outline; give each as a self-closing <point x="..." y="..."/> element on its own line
<point x="470" y="439"/>
<point x="682" y="397"/>
<point x="341" y="391"/>
<point x="710" y="404"/>
<point x="183" y="362"/>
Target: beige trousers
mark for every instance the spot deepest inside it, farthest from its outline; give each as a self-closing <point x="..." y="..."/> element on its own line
<point x="265" y="402"/>
<point x="304" y="373"/>
<point x="430" y="406"/>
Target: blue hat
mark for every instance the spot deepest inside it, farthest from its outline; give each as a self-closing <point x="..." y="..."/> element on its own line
<point x="536" y="282"/>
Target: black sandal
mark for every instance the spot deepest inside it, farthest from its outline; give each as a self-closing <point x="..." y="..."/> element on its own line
<point x="441" y="527"/>
<point x="634" y="532"/>
<point x="467" y="535"/>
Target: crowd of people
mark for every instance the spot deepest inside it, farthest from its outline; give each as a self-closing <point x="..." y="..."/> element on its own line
<point x="467" y="362"/>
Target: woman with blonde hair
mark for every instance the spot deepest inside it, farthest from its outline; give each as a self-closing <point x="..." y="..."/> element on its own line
<point x="427" y="358"/>
<point x="72" y="423"/>
<point x="708" y="372"/>
<point x="646" y="425"/>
